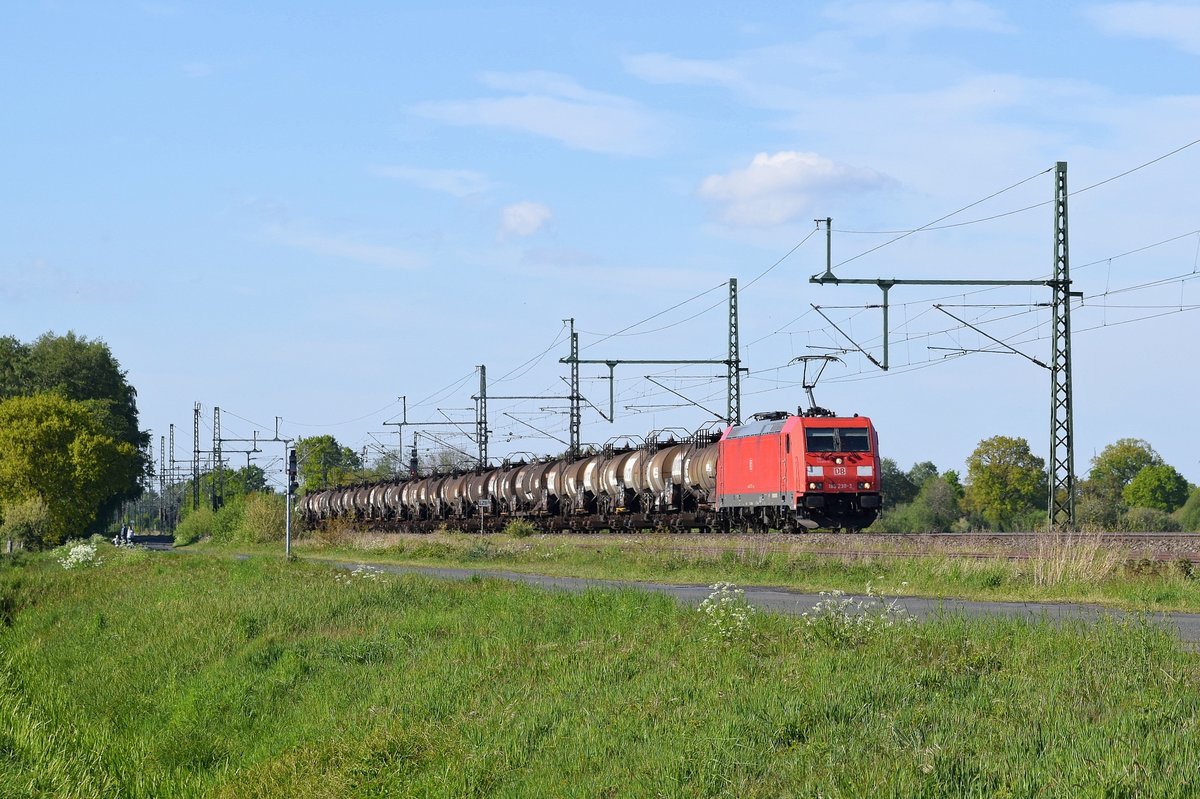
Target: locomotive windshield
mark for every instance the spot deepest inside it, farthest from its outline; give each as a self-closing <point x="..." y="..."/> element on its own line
<point x="855" y="439"/>
<point x="821" y="439"/>
<point x="838" y="439"/>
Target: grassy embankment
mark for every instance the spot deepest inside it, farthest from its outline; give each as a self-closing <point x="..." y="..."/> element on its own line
<point x="1081" y="569"/>
<point x="159" y="676"/>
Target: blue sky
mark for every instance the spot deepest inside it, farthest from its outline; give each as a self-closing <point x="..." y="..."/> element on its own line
<point x="307" y="210"/>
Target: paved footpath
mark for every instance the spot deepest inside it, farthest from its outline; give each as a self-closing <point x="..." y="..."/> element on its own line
<point x="783" y="600"/>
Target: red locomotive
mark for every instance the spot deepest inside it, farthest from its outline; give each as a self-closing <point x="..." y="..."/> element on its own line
<point x="813" y="471"/>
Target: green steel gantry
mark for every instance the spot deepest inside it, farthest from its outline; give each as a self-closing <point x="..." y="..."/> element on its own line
<point x="1061" y="504"/>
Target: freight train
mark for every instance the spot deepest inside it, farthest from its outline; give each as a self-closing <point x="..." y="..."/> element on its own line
<point x="778" y="471"/>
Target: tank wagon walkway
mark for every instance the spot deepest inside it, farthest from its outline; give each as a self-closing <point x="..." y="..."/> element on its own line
<point x="781" y="600"/>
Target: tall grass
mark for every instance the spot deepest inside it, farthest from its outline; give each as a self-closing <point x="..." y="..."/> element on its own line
<point x="1068" y="557"/>
<point x="187" y="677"/>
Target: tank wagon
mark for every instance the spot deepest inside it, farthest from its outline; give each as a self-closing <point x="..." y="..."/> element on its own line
<point x="778" y="471"/>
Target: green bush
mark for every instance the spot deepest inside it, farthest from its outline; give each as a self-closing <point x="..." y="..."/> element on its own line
<point x="1148" y="520"/>
<point x="252" y="519"/>
<point x="263" y="518"/>
<point x="1189" y="515"/>
<point x="520" y="528"/>
<point x="26" y="523"/>
<point x="227" y="521"/>
<point x="194" y="525"/>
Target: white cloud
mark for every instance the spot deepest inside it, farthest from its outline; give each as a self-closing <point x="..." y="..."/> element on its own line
<point x="876" y="17"/>
<point x="342" y="248"/>
<point x="776" y="189"/>
<point x="523" y="219"/>
<point x="455" y="182"/>
<point x="1174" y="23"/>
<point x="554" y="106"/>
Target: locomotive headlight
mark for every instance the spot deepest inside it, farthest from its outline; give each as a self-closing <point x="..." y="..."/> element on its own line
<point x="866" y="486"/>
<point x="838" y="461"/>
<point x="812" y="486"/>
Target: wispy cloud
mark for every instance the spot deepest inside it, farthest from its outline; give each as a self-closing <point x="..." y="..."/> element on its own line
<point x="556" y="107"/>
<point x="777" y="189"/>
<point x="1174" y="23"/>
<point x="876" y="17"/>
<point x="663" y="68"/>
<point x="348" y="249"/>
<point x="455" y="182"/>
<point x="523" y="219"/>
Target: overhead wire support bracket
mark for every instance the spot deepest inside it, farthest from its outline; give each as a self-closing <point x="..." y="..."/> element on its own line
<point x="854" y="343"/>
<point x="535" y="429"/>
<point x="985" y="334"/>
<point x="682" y="397"/>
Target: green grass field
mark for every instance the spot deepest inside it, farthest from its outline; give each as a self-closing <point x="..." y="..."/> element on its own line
<point x="163" y="676"/>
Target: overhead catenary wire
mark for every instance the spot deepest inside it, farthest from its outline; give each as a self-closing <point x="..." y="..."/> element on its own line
<point x="348" y="421"/>
<point x="934" y="226"/>
<point x="626" y="329"/>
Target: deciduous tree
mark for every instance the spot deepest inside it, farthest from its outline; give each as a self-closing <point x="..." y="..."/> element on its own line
<point x="895" y="485"/>
<point x="1159" y="487"/>
<point x="1117" y="464"/>
<point x="55" y="450"/>
<point x="83" y="370"/>
<point x="323" y="462"/>
<point x="1005" y="480"/>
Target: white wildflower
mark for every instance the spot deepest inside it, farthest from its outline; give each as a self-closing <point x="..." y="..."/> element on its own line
<point x="727" y="611"/>
<point x="844" y="620"/>
<point x="360" y="574"/>
<point x="80" y="556"/>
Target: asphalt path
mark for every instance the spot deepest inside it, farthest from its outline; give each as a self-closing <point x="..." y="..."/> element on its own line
<point x="783" y="600"/>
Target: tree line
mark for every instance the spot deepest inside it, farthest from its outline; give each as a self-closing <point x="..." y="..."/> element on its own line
<point x="1129" y="488"/>
<point x="71" y="451"/>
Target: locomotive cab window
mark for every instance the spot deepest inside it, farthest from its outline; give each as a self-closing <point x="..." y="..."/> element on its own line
<point x="838" y="439"/>
<point x="855" y="439"/>
<point x="820" y="439"/>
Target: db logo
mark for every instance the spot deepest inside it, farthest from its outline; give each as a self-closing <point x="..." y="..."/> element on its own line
<point x="839" y="470"/>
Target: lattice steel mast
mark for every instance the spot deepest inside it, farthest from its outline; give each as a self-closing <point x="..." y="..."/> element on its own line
<point x="196" y="456"/>
<point x="1061" y="508"/>
<point x="218" y="482"/>
<point x="481" y="431"/>
<point x="734" y="378"/>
